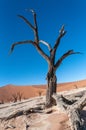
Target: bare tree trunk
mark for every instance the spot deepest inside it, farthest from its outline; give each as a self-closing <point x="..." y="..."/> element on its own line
<point x="50" y="58"/>
<point x="51" y="88"/>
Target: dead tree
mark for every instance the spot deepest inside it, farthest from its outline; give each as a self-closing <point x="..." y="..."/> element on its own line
<point x="40" y="92"/>
<point x="19" y="95"/>
<point x="53" y="64"/>
<point x="14" y="97"/>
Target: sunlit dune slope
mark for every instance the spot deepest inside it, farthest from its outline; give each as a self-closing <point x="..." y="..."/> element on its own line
<point x="7" y="92"/>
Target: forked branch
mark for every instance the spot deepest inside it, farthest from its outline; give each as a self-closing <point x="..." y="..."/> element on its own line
<point x="62" y="32"/>
<point x="35" y="45"/>
<point x="36" y="41"/>
<point x="45" y="56"/>
<point x="34" y="28"/>
<point x="68" y="53"/>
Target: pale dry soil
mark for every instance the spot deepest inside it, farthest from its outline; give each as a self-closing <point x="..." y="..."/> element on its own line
<point x="40" y="120"/>
<point x="37" y="121"/>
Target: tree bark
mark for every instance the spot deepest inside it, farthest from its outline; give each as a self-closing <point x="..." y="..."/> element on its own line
<point x="50" y="58"/>
<point x="51" y="88"/>
<point x="73" y="109"/>
<point x="12" y="110"/>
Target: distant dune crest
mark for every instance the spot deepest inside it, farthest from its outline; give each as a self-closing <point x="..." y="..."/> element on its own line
<point x="7" y="92"/>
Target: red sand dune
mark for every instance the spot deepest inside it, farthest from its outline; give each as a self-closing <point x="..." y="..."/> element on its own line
<point x="6" y="92"/>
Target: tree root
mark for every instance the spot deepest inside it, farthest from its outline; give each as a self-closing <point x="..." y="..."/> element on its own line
<point x="71" y="104"/>
<point x="73" y="108"/>
<point x="17" y="113"/>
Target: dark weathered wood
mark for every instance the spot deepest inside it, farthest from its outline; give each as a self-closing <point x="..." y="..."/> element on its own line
<point x="53" y="64"/>
<point x="8" y="111"/>
<point x="75" y="96"/>
<point x="75" y="119"/>
<point x="73" y="109"/>
<point x="24" y="111"/>
<point x="62" y="32"/>
<point x="68" y="53"/>
<point x="34" y="105"/>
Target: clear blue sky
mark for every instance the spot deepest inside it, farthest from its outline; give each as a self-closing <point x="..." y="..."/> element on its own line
<point x="25" y="66"/>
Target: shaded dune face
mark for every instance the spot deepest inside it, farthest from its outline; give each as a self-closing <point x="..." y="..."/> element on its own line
<point x="7" y="92"/>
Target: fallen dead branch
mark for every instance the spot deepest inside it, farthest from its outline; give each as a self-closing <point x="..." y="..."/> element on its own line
<point x="21" y="108"/>
<point x="73" y="108"/>
<point x="71" y="104"/>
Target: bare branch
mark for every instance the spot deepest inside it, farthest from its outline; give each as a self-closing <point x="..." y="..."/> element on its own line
<point x="32" y="11"/>
<point x="42" y="53"/>
<point x="35" y="26"/>
<point x="33" y="43"/>
<point x="18" y="43"/>
<point x="47" y="44"/>
<point x="22" y="17"/>
<point x="68" y="53"/>
<point x="35" y="21"/>
<point x="62" y="32"/>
